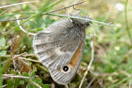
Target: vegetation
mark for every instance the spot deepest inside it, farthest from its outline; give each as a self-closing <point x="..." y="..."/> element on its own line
<point x="112" y="64"/>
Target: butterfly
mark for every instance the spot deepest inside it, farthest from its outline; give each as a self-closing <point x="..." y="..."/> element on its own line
<point x="60" y="47"/>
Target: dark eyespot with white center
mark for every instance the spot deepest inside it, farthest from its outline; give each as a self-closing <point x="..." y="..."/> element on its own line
<point x="65" y="68"/>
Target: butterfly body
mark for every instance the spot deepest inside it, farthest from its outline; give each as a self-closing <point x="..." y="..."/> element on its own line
<point x="60" y="47"/>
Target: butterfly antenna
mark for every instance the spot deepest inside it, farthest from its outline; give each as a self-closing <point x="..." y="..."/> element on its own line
<point x="22" y="28"/>
<point x="76" y="9"/>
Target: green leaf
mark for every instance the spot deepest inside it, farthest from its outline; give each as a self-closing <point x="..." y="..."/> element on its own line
<point x="2" y="53"/>
<point x="39" y="21"/>
<point x="6" y="65"/>
<point x="17" y="29"/>
<point x="38" y="80"/>
<point x="33" y="24"/>
<point x="5" y="47"/>
<point x="25" y="74"/>
<point x="17" y="81"/>
<point x="2" y="42"/>
<point x="10" y="83"/>
<point x="47" y="21"/>
<point x="16" y="72"/>
<point x="12" y="71"/>
<point x="46" y="86"/>
<point x="29" y="85"/>
<point x="21" y="82"/>
<point x="40" y="29"/>
<point x="32" y="75"/>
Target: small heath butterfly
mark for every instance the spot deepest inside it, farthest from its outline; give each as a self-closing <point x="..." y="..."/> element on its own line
<point x="60" y="47"/>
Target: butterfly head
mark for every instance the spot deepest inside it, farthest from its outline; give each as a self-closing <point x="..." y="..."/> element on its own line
<point x="80" y="22"/>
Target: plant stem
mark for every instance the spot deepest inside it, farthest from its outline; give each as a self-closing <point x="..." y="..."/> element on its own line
<point x="42" y="68"/>
<point x="126" y="21"/>
<point x="74" y="17"/>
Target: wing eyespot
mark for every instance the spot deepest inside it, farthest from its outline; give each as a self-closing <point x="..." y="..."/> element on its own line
<point x="65" y="68"/>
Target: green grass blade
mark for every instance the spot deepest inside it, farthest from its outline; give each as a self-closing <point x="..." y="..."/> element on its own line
<point x="126" y="21"/>
<point x="51" y="5"/>
<point x="113" y="86"/>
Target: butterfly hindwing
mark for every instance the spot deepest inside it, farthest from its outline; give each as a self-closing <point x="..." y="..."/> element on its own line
<point x="64" y="77"/>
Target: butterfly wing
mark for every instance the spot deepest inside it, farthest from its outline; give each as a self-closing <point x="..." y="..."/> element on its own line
<point x="60" y="49"/>
<point x="61" y="76"/>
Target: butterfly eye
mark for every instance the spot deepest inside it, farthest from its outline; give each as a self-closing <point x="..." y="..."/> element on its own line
<point x="65" y="68"/>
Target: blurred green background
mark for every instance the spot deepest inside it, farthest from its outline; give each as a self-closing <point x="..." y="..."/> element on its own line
<point x="112" y="65"/>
